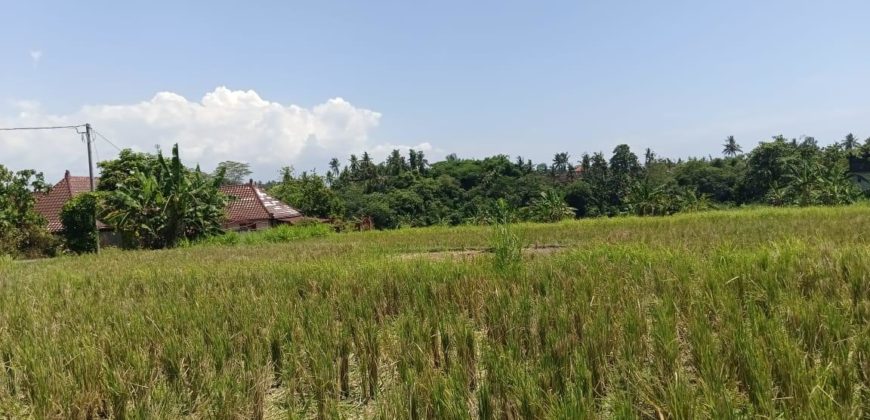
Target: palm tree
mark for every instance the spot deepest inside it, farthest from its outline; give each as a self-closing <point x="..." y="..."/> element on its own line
<point x="412" y="159"/>
<point x="396" y="163"/>
<point x="354" y="166"/>
<point x="334" y="171"/>
<point x="731" y="149"/>
<point x="850" y="142"/>
<point x="334" y="166"/>
<point x="368" y="170"/>
<point x="422" y="162"/>
<point x="560" y="163"/>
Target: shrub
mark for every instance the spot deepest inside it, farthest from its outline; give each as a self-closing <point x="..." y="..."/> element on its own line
<point x="550" y="207"/>
<point x="79" y="218"/>
<point x="22" y="230"/>
<point x="286" y="233"/>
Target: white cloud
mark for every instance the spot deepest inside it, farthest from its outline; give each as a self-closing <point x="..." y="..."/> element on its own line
<point x="35" y="55"/>
<point x="224" y="125"/>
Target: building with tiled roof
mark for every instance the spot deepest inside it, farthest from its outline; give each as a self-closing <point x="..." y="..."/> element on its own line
<point x="50" y="204"/>
<point x="249" y="208"/>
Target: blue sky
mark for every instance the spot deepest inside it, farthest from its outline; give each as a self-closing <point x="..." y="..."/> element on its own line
<point x="474" y="78"/>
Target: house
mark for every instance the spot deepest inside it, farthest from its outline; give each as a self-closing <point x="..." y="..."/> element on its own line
<point x="249" y="208"/>
<point x="50" y="204"/>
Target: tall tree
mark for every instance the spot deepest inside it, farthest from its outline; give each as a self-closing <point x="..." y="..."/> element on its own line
<point x="367" y="167"/>
<point x="412" y="160"/>
<point x="308" y="193"/>
<point x="624" y="169"/>
<point x="353" y="167"/>
<point x="119" y="170"/>
<point x="850" y="142"/>
<point x="396" y="163"/>
<point x="234" y="172"/>
<point x="422" y="163"/>
<point x="334" y="171"/>
<point x="561" y="163"/>
<point x="597" y="176"/>
<point x="648" y="158"/>
<point x="585" y="162"/>
<point x="731" y="148"/>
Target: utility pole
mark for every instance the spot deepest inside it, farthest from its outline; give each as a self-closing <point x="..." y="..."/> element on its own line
<point x="90" y="159"/>
<point x="91" y="176"/>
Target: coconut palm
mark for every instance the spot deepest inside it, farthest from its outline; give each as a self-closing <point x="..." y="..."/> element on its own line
<point x="561" y="163"/>
<point x="850" y="142"/>
<point x="731" y="149"/>
<point x="334" y="166"/>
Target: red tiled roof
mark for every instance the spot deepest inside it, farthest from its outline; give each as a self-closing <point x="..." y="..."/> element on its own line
<point x="249" y="203"/>
<point x="50" y="204"/>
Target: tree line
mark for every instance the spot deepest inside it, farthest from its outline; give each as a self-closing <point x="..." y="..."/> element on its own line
<point x="154" y="201"/>
<point x="409" y="191"/>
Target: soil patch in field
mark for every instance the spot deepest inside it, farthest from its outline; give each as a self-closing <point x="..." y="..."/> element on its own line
<point x="464" y="254"/>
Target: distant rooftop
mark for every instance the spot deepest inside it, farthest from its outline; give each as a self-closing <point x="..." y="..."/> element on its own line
<point x="251" y="203"/>
<point x="50" y="204"/>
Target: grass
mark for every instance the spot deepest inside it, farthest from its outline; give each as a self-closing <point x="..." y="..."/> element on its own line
<point x="744" y="313"/>
<point x="278" y="234"/>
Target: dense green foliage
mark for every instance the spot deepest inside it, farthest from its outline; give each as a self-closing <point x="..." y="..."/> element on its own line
<point x="161" y="202"/>
<point x="411" y="192"/>
<point x="741" y="313"/>
<point x="22" y="230"/>
<point x="119" y="171"/>
<point x="79" y="218"/>
<point x="308" y="193"/>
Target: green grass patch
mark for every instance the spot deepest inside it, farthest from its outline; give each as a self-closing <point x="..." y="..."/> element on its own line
<point x="278" y="234"/>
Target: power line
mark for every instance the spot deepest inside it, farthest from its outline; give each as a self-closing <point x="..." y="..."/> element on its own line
<point x="57" y="127"/>
<point x="96" y="150"/>
<point x="106" y="139"/>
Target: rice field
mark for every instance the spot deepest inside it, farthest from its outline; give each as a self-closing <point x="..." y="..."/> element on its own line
<point x="732" y="314"/>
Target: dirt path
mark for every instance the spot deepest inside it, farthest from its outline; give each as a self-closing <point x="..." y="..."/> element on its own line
<point x="465" y="254"/>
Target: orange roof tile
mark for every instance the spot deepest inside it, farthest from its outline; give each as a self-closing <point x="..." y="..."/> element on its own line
<point x="49" y="205"/>
<point x="248" y="203"/>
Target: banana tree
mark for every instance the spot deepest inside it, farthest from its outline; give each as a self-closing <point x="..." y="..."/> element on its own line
<point x="551" y="207"/>
<point x="158" y="210"/>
